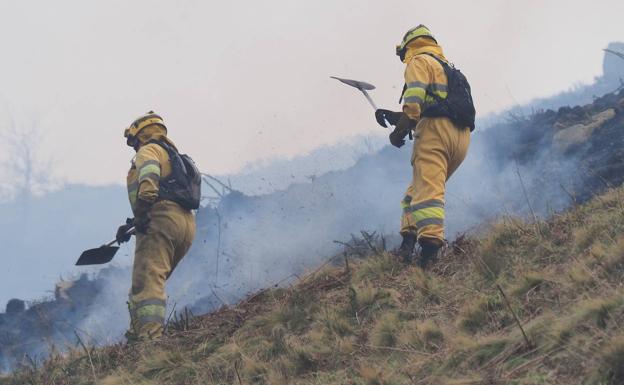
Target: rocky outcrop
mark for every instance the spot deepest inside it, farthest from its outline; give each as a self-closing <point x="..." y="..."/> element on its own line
<point x="569" y="137"/>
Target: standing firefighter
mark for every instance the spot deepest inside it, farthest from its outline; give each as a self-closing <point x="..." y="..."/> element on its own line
<point x="438" y="110"/>
<point x="163" y="188"/>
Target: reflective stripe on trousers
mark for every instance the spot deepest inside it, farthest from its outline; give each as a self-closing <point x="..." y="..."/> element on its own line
<point x="429" y="212"/>
<point x="149" y="310"/>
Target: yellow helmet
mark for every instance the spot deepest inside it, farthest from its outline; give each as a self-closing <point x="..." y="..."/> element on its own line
<point x="140" y="123"/>
<point x="414" y="33"/>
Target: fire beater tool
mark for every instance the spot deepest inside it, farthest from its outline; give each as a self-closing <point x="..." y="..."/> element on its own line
<point x="363" y="87"/>
<point x="100" y="255"/>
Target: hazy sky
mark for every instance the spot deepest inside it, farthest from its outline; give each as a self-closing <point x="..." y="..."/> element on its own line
<point x="239" y="81"/>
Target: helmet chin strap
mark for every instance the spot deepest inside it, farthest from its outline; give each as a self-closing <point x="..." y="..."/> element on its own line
<point x="133" y="142"/>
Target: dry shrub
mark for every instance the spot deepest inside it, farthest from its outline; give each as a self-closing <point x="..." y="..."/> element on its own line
<point x="422" y="335"/>
<point x="612" y="368"/>
<point x="254" y="371"/>
<point x="592" y="313"/>
<point x="579" y="274"/>
<point x="486" y="349"/>
<point x="493" y="253"/>
<point x="335" y="322"/>
<point x="365" y="300"/>
<point x="302" y="361"/>
<point x="614" y="261"/>
<point x="371" y="375"/>
<point x="424" y="284"/>
<point x="377" y="267"/>
<point x="386" y="330"/>
<point x="275" y="345"/>
<point x="479" y="313"/>
<point x="530" y="281"/>
<point x="600" y="311"/>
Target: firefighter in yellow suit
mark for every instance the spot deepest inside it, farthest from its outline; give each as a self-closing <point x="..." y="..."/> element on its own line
<point x="164" y="230"/>
<point x="439" y="145"/>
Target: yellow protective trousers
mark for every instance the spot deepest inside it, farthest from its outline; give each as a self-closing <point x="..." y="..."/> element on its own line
<point x="439" y="149"/>
<point x="169" y="236"/>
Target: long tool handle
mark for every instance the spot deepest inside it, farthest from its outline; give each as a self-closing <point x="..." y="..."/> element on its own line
<point x="370" y="100"/>
<point x="372" y="103"/>
<point x="131" y="231"/>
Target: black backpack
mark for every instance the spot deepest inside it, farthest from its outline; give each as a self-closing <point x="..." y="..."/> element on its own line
<point x="183" y="185"/>
<point x="458" y="105"/>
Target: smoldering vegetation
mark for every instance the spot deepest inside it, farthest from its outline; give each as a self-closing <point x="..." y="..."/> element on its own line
<point x="27" y="334"/>
<point x="527" y="165"/>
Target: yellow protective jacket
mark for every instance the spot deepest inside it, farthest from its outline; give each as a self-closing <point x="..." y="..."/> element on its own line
<point x="424" y="76"/>
<point x="168" y="238"/>
<point x="439" y="146"/>
<point x="149" y="165"/>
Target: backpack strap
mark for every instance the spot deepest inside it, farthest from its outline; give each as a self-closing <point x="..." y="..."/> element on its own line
<point x="171" y="151"/>
<point x="437" y="59"/>
<point x="402" y="92"/>
<point x="442" y="62"/>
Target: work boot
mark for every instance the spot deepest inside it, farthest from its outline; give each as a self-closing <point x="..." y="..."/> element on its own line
<point x="429" y="251"/>
<point x="132" y="338"/>
<point x="148" y="332"/>
<point x="407" y="247"/>
<point x="132" y="334"/>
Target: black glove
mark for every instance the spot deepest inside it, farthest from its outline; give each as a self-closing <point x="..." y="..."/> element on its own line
<point x="404" y="127"/>
<point x="142" y="215"/>
<point x="397" y="138"/>
<point x="122" y="232"/>
<point x="391" y="117"/>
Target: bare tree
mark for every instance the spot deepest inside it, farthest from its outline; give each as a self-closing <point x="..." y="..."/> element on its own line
<point x="616" y="53"/>
<point x="23" y="168"/>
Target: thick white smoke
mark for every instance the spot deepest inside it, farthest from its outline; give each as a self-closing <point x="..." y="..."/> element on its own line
<point x="246" y="243"/>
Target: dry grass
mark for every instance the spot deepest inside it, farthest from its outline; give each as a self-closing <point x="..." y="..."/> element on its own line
<point x="379" y="322"/>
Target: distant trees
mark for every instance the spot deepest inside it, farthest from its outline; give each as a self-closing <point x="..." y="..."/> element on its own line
<point x="24" y="171"/>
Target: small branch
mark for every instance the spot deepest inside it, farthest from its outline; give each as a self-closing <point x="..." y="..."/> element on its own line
<point x="88" y="355"/>
<point x="237" y="374"/>
<point x="616" y="53"/>
<point x="213" y="189"/>
<point x="526" y="196"/>
<point x="214" y="293"/>
<point x="531" y="362"/>
<point x="526" y="338"/>
<point x="570" y="194"/>
<point x="169" y="318"/>
<point x="393" y="349"/>
<point x="226" y="187"/>
<point x="218" y="246"/>
<point x="350" y="247"/>
<point x="367" y="238"/>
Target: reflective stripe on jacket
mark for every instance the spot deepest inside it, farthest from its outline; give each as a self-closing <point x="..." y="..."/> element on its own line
<point x="424" y="77"/>
<point x="150" y="164"/>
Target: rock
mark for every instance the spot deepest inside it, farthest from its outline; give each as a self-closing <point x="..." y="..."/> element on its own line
<point x="15" y="306"/>
<point x="578" y="134"/>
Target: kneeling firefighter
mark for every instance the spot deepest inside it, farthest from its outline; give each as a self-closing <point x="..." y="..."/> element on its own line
<point x="439" y="112"/>
<point x="163" y="188"/>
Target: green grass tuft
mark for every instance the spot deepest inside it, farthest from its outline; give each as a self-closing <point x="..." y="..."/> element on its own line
<point x="386" y="330"/>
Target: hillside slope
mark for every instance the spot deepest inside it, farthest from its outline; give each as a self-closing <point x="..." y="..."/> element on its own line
<point x="550" y="159"/>
<point x="363" y="318"/>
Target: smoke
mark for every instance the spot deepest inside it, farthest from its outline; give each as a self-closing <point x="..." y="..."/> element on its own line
<point x="245" y="243"/>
